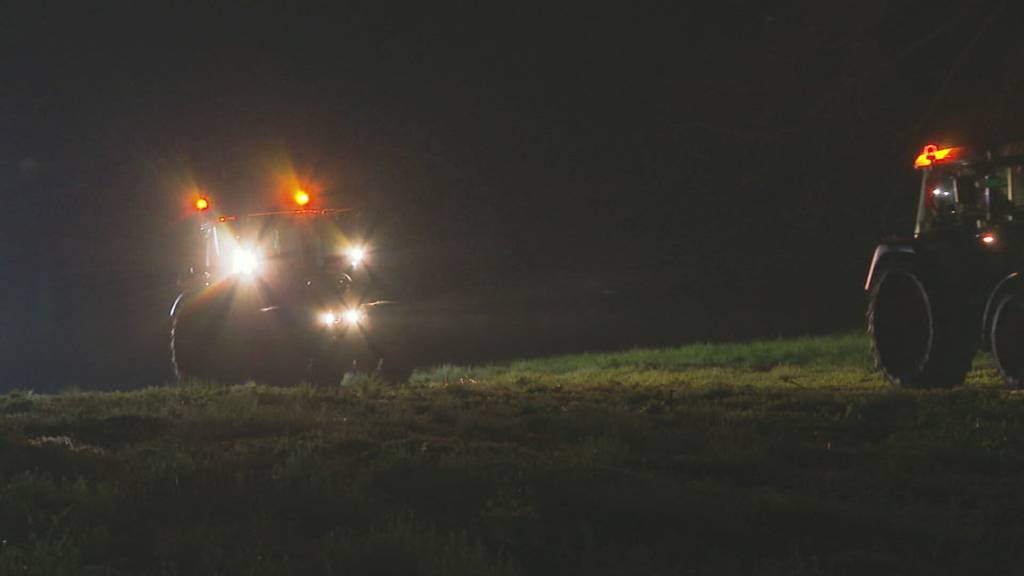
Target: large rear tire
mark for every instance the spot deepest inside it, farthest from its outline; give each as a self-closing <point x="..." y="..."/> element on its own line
<point x="191" y="357"/>
<point x="920" y="330"/>
<point x="194" y="354"/>
<point x="204" y="347"/>
<point x="1007" y="338"/>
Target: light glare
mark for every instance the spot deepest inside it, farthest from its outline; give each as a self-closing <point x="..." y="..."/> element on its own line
<point x="247" y="262"/>
<point x="353" y="316"/>
<point x="356" y="255"/>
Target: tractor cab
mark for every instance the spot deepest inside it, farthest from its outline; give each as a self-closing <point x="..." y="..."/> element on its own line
<point x="964" y="194"/>
<point x="273" y="245"/>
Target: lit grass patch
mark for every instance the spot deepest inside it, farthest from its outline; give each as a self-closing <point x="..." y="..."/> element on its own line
<point x="846" y="351"/>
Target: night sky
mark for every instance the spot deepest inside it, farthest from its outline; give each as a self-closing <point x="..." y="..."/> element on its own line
<point x="539" y="179"/>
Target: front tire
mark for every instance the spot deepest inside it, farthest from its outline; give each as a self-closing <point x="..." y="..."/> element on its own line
<point x="919" y="330"/>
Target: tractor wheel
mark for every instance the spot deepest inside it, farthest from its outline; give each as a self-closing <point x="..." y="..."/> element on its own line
<point x="188" y="357"/>
<point x="1007" y="338"/>
<point x="203" y="347"/>
<point x="920" y="334"/>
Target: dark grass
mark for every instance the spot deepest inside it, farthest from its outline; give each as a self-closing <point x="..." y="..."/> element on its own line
<point x="786" y="457"/>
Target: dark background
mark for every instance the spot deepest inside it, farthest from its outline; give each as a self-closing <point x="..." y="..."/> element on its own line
<point x="540" y="179"/>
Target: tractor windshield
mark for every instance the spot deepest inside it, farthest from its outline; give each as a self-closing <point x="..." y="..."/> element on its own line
<point x="949" y="198"/>
<point x="299" y="239"/>
<point x="968" y="196"/>
<point x="290" y="240"/>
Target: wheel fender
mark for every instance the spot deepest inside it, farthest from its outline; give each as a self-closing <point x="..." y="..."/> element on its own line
<point x="883" y="253"/>
<point x="1013" y="282"/>
<point x="174" y="306"/>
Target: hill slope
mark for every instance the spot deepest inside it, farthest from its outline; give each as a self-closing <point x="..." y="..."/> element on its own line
<point x="787" y="457"/>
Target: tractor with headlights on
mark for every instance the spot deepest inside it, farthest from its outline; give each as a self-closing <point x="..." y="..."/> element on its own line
<point x="281" y="296"/>
<point x="956" y="285"/>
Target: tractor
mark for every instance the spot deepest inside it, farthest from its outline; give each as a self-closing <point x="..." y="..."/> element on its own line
<point x="280" y="296"/>
<point x="955" y="287"/>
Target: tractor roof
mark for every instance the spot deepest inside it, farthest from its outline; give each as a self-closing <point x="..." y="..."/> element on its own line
<point x="933" y="155"/>
<point x="300" y="199"/>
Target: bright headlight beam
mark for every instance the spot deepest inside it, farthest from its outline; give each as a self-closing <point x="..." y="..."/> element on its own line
<point x="356" y="255"/>
<point x="246" y="263"/>
<point x="328" y="318"/>
<point x="353" y="316"/>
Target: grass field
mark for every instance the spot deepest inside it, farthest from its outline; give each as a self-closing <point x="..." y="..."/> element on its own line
<point x="786" y="457"/>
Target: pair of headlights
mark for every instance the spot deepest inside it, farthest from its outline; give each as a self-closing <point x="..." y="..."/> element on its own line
<point x="350" y="317"/>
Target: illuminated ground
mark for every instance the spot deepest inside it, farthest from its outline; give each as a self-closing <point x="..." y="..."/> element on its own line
<point x="775" y="458"/>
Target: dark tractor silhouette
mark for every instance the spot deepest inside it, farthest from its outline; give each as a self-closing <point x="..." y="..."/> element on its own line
<point x="955" y="287"/>
<point x="280" y="296"/>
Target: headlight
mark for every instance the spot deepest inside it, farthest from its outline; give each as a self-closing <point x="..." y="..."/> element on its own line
<point x="246" y="262"/>
<point x="356" y="255"/>
<point x="328" y="319"/>
<point x="353" y="316"/>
